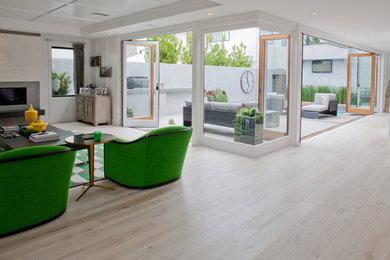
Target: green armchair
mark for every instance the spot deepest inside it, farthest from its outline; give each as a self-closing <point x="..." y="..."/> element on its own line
<point x="34" y="185"/>
<point x="153" y="159"/>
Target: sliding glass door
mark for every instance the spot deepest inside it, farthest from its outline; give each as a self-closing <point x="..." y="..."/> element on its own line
<point x="140" y="83"/>
<point x="360" y="85"/>
<point x="274" y="84"/>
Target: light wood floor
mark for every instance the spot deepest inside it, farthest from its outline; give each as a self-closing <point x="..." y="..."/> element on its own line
<point x="328" y="198"/>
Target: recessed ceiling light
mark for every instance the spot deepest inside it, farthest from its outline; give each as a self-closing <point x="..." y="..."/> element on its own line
<point x="314" y="13"/>
<point x="350" y="29"/>
<point x="209" y="14"/>
<point x="109" y="33"/>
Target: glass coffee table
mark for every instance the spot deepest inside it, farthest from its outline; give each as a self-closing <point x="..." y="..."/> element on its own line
<point x="89" y="141"/>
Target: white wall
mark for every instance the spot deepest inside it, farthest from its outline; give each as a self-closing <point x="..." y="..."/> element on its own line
<point x="324" y="52"/>
<point x="335" y="79"/>
<point x="110" y="50"/>
<point x="228" y="79"/>
<point x="20" y="57"/>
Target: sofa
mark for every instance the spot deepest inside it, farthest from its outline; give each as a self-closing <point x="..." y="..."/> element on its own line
<point x="324" y="103"/>
<point x="223" y="114"/>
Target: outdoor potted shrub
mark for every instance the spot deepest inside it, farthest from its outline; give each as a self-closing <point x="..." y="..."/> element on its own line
<point x="61" y="83"/>
<point x="130" y="112"/>
<point x="216" y="95"/>
<point x="248" y="126"/>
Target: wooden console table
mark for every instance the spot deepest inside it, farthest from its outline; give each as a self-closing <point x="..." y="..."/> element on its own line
<point x="93" y="109"/>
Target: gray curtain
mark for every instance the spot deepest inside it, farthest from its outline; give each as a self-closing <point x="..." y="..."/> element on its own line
<point x="78" y="58"/>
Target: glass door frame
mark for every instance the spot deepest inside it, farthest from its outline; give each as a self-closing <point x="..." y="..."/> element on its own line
<point x="153" y="119"/>
<point x="261" y="77"/>
<point x="360" y="110"/>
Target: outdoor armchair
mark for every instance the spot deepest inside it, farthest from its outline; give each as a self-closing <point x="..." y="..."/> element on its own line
<point x="153" y="159"/>
<point x="34" y="185"/>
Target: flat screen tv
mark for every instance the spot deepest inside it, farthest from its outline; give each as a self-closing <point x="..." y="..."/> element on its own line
<point x="13" y="96"/>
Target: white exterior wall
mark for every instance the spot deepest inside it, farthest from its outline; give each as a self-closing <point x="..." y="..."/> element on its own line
<point x="177" y="85"/>
<point x="337" y="78"/>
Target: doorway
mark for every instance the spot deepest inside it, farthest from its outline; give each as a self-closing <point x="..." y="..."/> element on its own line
<point x="140" y="83"/>
<point x="360" y="85"/>
<point x="274" y="81"/>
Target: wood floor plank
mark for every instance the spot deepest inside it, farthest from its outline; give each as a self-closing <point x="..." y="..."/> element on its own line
<point x="327" y="198"/>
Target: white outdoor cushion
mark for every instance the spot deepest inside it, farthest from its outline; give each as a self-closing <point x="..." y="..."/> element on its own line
<point x="323" y="98"/>
<point x="249" y="104"/>
<point x="315" y="108"/>
<point x="188" y="103"/>
<point x="232" y="107"/>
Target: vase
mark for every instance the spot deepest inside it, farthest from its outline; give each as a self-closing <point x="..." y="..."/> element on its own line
<point x="39" y="126"/>
<point x="30" y="115"/>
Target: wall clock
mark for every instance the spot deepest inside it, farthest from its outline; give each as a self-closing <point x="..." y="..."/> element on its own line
<point x="247" y="81"/>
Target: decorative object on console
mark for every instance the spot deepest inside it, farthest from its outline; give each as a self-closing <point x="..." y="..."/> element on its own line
<point x="105" y="72"/>
<point x="96" y="61"/>
<point x="39" y="126"/>
<point x="85" y="91"/>
<point x="31" y="115"/>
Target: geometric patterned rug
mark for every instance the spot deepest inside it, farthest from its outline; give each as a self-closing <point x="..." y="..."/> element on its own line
<point x="80" y="172"/>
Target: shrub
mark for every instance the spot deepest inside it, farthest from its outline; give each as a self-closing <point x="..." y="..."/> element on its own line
<point x="216" y="95"/>
<point x="308" y="93"/>
<point x="216" y="53"/>
<point x="170" y="48"/>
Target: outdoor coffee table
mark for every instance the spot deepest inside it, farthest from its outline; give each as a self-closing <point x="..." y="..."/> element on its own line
<point x="78" y="140"/>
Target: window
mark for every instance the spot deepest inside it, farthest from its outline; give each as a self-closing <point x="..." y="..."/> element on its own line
<point x="321" y="66"/>
<point x="62" y="72"/>
<point x="219" y="36"/>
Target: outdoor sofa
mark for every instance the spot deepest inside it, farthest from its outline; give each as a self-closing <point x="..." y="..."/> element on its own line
<point x="324" y="103"/>
<point x="223" y="114"/>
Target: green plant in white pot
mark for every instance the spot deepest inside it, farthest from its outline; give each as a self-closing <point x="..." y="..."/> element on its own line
<point x="248" y="126"/>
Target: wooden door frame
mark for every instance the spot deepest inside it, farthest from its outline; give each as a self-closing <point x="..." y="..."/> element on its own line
<point x="260" y="89"/>
<point x="359" y="110"/>
<point x="376" y="80"/>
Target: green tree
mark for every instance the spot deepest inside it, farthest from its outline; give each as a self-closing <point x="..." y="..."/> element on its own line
<point x="64" y="82"/>
<point x="170" y="48"/>
<point x="238" y="58"/>
<point x="186" y="58"/>
<point x="216" y="54"/>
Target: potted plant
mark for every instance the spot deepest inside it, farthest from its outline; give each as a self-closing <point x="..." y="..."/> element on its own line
<point x="130" y="112"/>
<point x="216" y="95"/>
<point x="248" y="126"/>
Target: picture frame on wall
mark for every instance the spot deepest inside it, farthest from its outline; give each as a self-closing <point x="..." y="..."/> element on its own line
<point x="96" y="61"/>
<point x="105" y="72"/>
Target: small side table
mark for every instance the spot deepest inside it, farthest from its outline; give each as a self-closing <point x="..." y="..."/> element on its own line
<point x="80" y="141"/>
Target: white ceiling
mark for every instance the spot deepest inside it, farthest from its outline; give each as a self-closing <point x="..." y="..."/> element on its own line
<point x="360" y="21"/>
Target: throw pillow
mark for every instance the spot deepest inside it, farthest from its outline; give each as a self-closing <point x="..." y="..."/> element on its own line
<point x="325" y="100"/>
